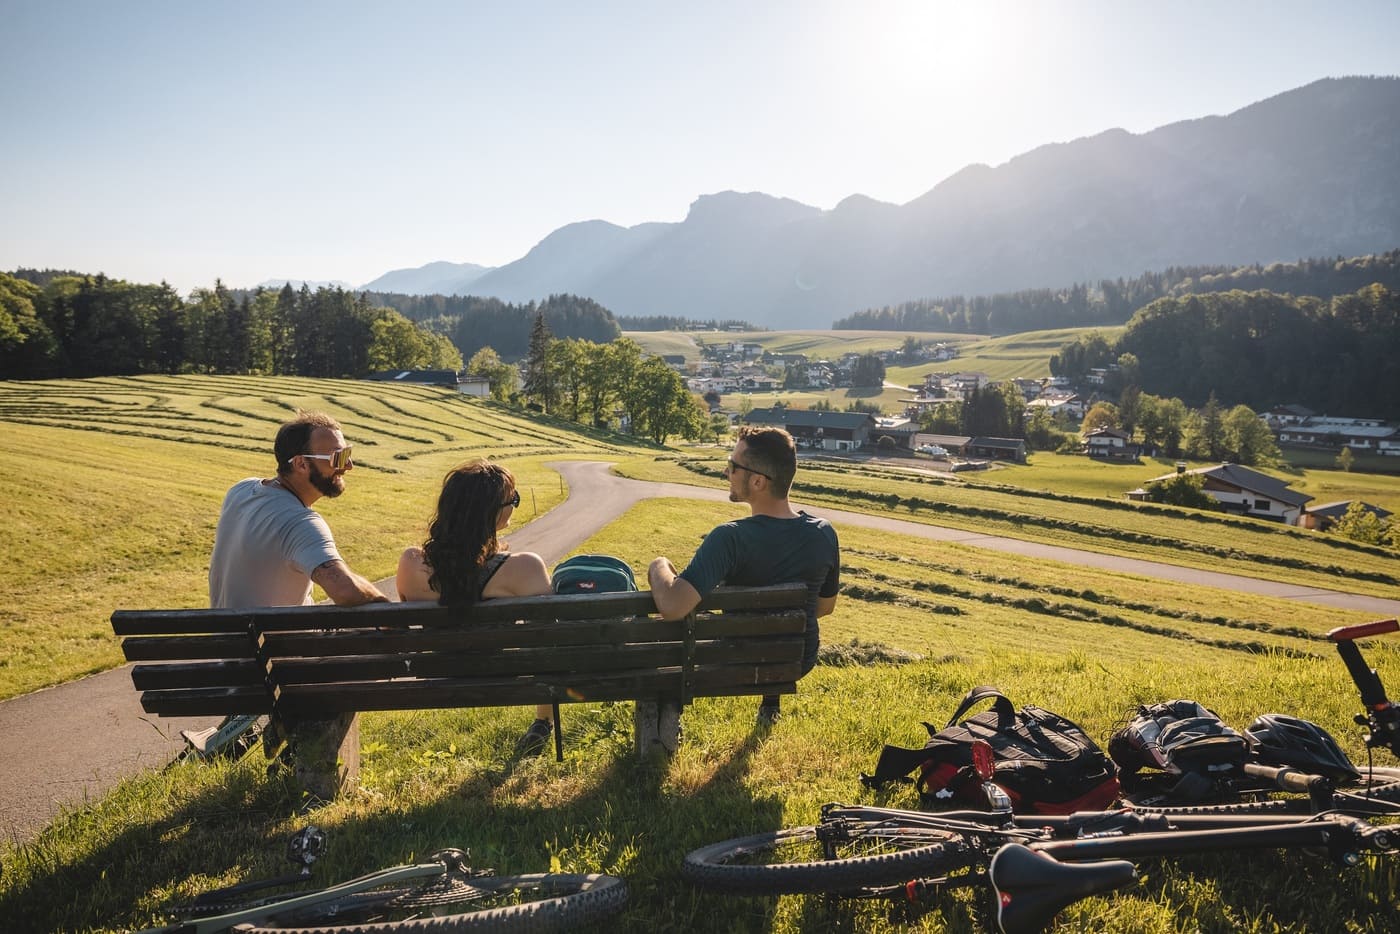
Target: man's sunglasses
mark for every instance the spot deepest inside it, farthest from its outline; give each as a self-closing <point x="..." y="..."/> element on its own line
<point x="514" y="500"/>
<point x="735" y="464"/>
<point x="340" y="458"/>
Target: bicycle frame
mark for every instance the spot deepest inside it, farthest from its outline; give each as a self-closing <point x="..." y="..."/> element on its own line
<point x="216" y="923"/>
<point x="1088" y="852"/>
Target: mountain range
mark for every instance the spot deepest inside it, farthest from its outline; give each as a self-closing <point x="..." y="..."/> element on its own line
<point x="1312" y="172"/>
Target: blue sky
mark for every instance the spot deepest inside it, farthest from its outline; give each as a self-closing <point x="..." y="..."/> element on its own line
<point x="339" y="140"/>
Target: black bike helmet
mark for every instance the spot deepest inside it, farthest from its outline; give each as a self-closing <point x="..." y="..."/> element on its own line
<point x="1278" y="739"/>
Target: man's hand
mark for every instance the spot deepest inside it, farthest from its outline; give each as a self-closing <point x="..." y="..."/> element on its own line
<point x="344" y="586"/>
<point x="674" y="596"/>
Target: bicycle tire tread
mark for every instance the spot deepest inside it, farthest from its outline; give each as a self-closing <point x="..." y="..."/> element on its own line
<point x="580" y="899"/>
<point x="710" y="867"/>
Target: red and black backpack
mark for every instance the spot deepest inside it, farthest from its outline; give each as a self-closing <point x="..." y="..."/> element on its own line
<point x="1045" y="763"/>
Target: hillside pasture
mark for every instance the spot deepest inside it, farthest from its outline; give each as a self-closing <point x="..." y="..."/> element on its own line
<point x="1110" y="524"/>
<point x="827" y="345"/>
<point x="1071" y="473"/>
<point x="112" y="489"/>
<point x="662" y="343"/>
<point x="917" y="625"/>
<point x="1013" y="356"/>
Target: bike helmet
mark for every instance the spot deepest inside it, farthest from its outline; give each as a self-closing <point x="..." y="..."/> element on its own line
<point x="1278" y="739"/>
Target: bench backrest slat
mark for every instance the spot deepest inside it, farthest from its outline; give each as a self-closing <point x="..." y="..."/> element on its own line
<point x="495" y="636"/>
<point x="162" y="648"/>
<point x="437" y="693"/>
<point x="526" y="661"/>
<point x="505" y="609"/>
<point x="199" y="674"/>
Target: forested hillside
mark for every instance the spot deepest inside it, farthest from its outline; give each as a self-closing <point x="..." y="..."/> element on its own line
<point x="64" y="324"/>
<point x="94" y="326"/>
<point x="1113" y="301"/>
<point x="472" y="323"/>
<point x="1260" y="349"/>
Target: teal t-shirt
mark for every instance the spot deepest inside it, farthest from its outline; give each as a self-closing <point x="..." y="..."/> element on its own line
<point x="760" y="550"/>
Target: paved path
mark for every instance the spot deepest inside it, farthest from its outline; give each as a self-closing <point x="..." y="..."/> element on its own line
<point x="71" y="743"/>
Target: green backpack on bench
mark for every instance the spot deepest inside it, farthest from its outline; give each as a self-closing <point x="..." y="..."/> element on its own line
<point x="593" y="574"/>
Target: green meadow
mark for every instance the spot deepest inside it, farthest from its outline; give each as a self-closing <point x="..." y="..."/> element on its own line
<point x="1024" y="354"/>
<point x="112" y="490"/>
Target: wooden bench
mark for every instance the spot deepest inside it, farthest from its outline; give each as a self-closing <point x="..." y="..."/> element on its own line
<point x="314" y="668"/>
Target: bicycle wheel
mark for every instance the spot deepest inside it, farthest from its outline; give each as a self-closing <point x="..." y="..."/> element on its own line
<point x="796" y="860"/>
<point x="540" y="903"/>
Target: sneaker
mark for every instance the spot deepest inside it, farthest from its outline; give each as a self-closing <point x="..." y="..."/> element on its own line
<point x="769" y="714"/>
<point x="535" y="740"/>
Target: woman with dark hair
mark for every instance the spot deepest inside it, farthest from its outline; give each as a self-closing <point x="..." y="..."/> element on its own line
<point x="463" y="562"/>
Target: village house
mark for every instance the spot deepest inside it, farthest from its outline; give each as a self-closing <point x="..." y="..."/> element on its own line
<point x="953" y="444"/>
<point x="1331" y="433"/>
<point x="1029" y="389"/>
<point x="1325" y="516"/>
<point x="899" y="429"/>
<point x="1245" y="492"/>
<point x="827" y="431"/>
<point x="958" y="386"/>
<point x="1059" y="401"/>
<point x="478" y="386"/>
<point x="1001" y="449"/>
<point x="1110" y="444"/>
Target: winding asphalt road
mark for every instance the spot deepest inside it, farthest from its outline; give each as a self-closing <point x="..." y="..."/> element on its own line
<point x="69" y="744"/>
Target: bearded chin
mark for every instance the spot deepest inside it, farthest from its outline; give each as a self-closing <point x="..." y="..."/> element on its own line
<point x="331" y="486"/>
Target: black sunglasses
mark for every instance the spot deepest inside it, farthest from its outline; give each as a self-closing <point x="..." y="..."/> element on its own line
<point x="734" y="463"/>
<point x="514" y="500"/>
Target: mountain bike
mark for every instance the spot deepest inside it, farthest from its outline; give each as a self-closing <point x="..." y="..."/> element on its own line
<point x="857" y="851"/>
<point x="444" y="893"/>
<point x="1036" y="865"/>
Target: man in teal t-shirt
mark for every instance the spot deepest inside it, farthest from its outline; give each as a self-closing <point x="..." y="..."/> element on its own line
<point x="775" y="544"/>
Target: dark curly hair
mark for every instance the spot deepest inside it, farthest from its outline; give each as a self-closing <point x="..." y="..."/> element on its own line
<point x="462" y="535"/>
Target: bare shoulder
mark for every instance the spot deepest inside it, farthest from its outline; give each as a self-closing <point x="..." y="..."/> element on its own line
<point x="412" y="576"/>
<point x="523" y="574"/>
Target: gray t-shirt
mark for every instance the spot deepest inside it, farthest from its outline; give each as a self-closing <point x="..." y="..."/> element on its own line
<point x="266" y="547"/>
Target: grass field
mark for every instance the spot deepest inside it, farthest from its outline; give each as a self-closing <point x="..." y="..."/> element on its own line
<point x="1087" y="645"/>
<point x="112" y="488"/>
<point x="1079" y="505"/>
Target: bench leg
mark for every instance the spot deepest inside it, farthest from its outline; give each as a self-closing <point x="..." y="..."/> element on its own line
<point x="325" y="755"/>
<point x="656" y="726"/>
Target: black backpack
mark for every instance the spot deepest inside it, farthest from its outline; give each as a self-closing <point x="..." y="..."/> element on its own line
<point x="1045" y="763"/>
<point x="1176" y="751"/>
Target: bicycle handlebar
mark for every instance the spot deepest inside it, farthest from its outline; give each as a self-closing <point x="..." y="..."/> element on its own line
<point x="1289" y="779"/>
<point x="1381" y="715"/>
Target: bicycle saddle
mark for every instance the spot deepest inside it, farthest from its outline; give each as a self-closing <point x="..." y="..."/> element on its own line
<point x="1031" y="887"/>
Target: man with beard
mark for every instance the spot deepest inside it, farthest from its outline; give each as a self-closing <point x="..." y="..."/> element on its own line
<point x="775" y="544"/>
<point x="271" y="546"/>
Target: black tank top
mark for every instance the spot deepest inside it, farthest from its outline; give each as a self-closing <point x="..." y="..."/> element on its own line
<point x="488" y="571"/>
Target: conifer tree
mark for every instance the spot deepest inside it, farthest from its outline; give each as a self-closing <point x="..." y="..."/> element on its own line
<point x="541" y="386"/>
